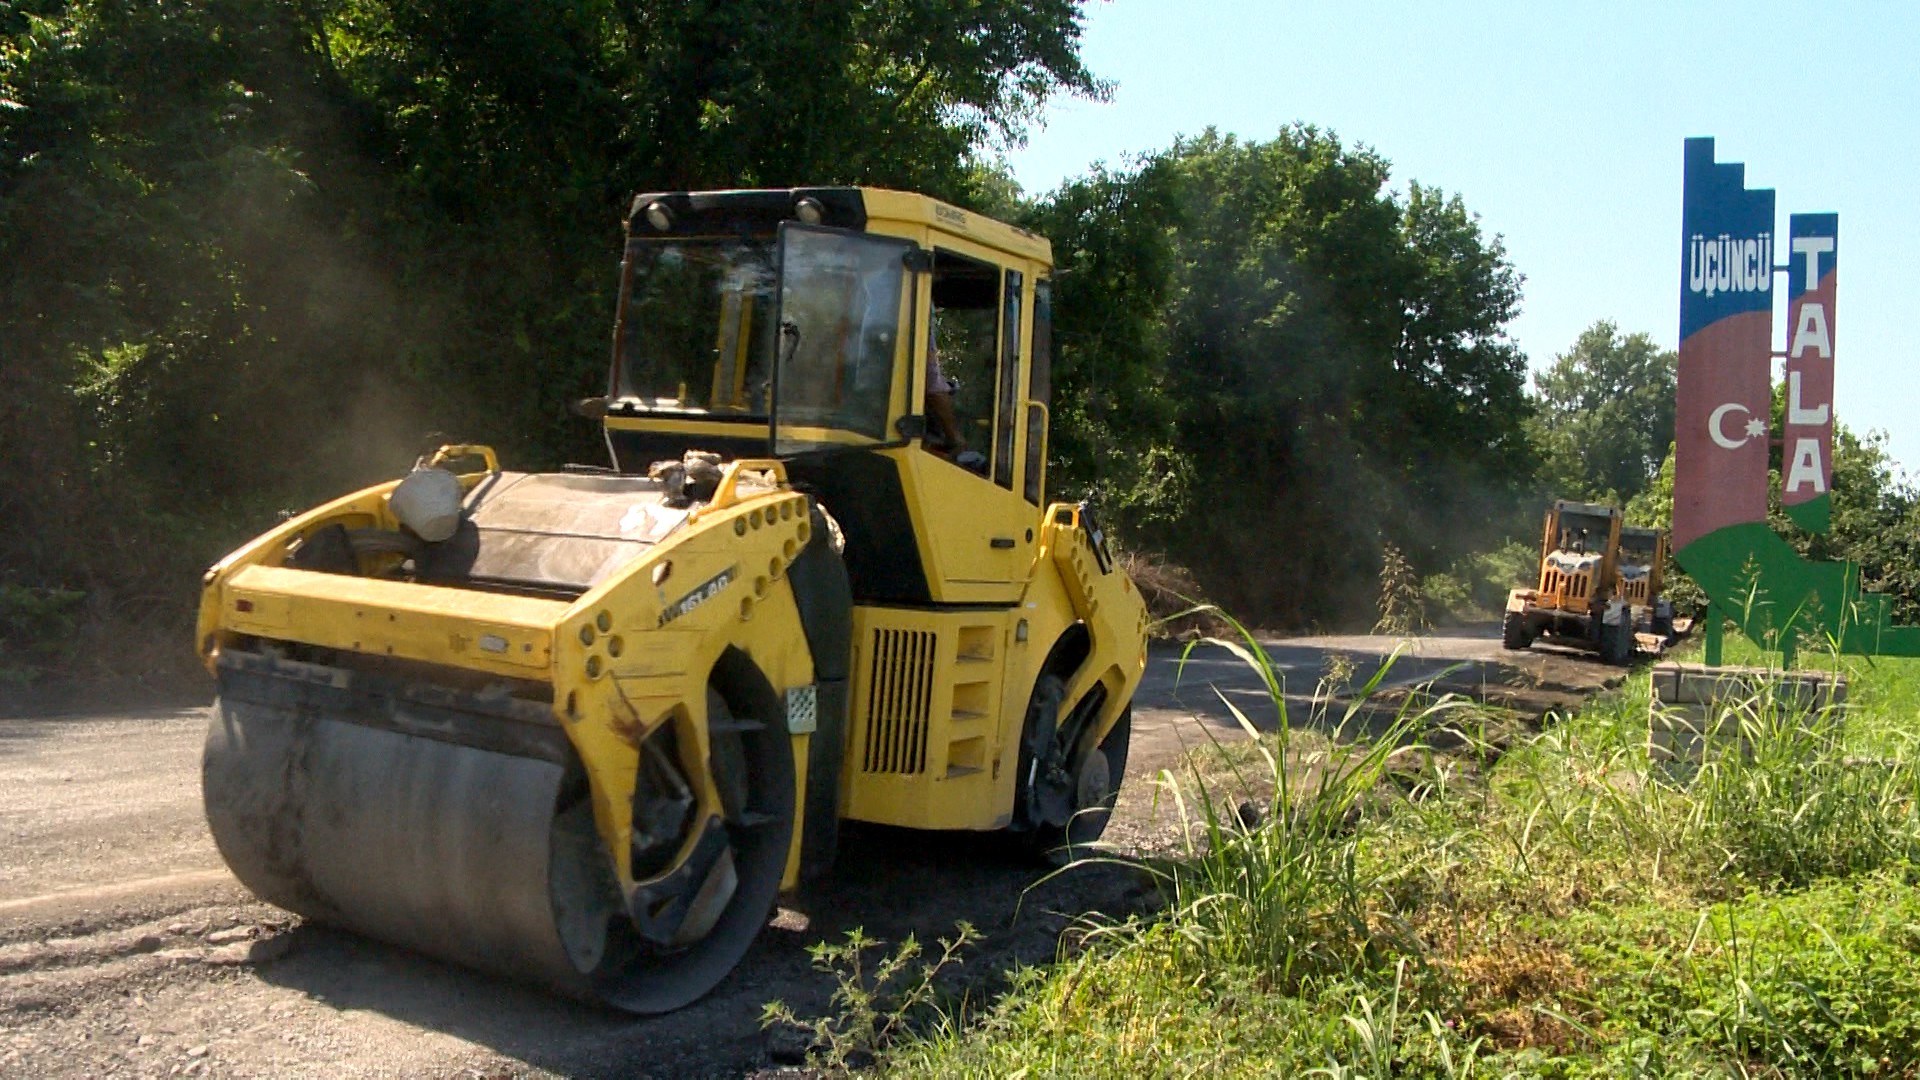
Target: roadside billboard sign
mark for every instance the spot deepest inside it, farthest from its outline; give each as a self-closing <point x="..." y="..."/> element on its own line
<point x="1806" y="438"/>
<point x="1726" y="344"/>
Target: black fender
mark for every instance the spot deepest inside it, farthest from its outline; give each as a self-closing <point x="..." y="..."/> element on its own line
<point x="1068" y="652"/>
<point x="824" y="595"/>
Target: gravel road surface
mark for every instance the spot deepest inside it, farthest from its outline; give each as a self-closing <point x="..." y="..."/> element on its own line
<point x="127" y="950"/>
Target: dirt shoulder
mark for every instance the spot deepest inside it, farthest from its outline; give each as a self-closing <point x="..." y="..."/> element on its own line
<point x="126" y="949"/>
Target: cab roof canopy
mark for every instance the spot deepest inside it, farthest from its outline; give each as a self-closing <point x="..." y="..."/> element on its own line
<point x="761" y="210"/>
<point x="1569" y="506"/>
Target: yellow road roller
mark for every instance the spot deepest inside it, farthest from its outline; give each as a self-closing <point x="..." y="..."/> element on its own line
<point x="584" y="728"/>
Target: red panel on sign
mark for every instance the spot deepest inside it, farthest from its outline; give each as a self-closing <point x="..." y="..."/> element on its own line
<point x="1806" y="447"/>
<point x="1720" y="426"/>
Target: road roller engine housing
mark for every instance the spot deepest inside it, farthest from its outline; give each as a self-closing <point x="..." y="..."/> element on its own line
<point x="586" y="727"/>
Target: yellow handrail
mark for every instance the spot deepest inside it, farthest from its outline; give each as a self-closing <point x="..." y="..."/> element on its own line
<point x="460" y="450"/>
<point x="725" y="494"/>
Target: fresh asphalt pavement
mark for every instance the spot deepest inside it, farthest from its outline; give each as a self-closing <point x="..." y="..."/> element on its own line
<point x="1184" y="697"/>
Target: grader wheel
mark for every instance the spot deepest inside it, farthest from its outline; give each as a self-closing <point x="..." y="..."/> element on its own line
<point x="1513" y="632"/>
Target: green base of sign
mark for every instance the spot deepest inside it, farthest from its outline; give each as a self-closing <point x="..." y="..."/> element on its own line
<point x="1782" y="601"/>
<point x="1814" y="515"/>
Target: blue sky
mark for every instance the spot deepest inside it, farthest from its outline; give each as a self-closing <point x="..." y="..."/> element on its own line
<point x="1561" y="126"/>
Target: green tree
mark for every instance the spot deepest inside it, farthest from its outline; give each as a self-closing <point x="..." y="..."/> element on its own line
<point x="519" y="131"/>
<point x="1339" y="369"/>
<point x="1605" y="415"/>
<point x="1290" y="367"/>
<point x="257" y="251"/>
<point x="1875" y="518"/>
<point x="1111" y="406"/>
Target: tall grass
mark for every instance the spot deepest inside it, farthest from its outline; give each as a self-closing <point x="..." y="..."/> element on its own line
<point x="1780" y="799"/>
<point x="1561" y="906"/>
<point x="1271" y="877"/>
<point x="1786" y="805"/>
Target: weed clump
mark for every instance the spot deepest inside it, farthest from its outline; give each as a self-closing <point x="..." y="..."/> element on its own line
<point x="1347" y="901"/>
<point x="877" y="994"/>
<point x="1402" y="609"/>
<point x="1173" y="596"/>
<point x="1290" y="897"/>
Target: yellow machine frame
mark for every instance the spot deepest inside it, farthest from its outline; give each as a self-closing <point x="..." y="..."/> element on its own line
<point x="1643" y="591"/>
<point x="1020" y="595"/>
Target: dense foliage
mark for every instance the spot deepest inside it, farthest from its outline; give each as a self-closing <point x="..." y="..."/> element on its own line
<point x="1876" y="522"/>
<point x="1284" y="367"/>
<point x="1568" y="906"/>
<point x="1605" y="415"/>
<point x="258" y="252"/>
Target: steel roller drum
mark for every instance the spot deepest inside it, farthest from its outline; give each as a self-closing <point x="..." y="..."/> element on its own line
<point x="459" y="825"/>
<point x="439" y="847"/>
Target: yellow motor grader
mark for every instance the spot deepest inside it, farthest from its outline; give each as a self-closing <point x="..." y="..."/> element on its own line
<point x="1640" y="575"/>
<point x="1576" y="598"/>
<point x="585" y="727"/>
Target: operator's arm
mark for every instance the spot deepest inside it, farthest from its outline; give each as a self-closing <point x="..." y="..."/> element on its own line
<point x="945" y="423"/>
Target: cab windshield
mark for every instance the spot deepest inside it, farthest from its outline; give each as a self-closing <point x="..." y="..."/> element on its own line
<point x="1584" y="534"/>
<point x="705" y="321"/>
<point x="842" y="305"/>
<point x="1638" y="547"/>
<point x="697" y="327"/>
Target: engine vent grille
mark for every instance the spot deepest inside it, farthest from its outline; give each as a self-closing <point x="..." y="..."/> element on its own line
<point x="899" y="701"/>
<point x="1557" y="582"/>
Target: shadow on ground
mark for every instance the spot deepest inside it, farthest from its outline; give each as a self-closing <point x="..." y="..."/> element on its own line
<point x="890" y="883"/>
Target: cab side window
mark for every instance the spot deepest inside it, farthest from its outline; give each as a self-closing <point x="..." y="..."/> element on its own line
<point x="1008" y="416"/>
<point x="1040" y="390"/>
<point x="966" y="333"/>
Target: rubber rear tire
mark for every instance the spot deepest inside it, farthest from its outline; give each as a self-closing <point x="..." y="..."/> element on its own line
<point x="1616" y="639"/>
<point x="1059" y="844"/>
<point x="1513" y="632"/>
<point x="1663" y="621"/>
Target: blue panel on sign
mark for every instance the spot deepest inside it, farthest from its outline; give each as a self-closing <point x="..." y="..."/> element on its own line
<point x="1815" y="247"/>
<point x="1726" y="266"/>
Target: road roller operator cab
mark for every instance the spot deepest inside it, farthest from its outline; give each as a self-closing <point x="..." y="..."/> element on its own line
<point x="585" y="727"/>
